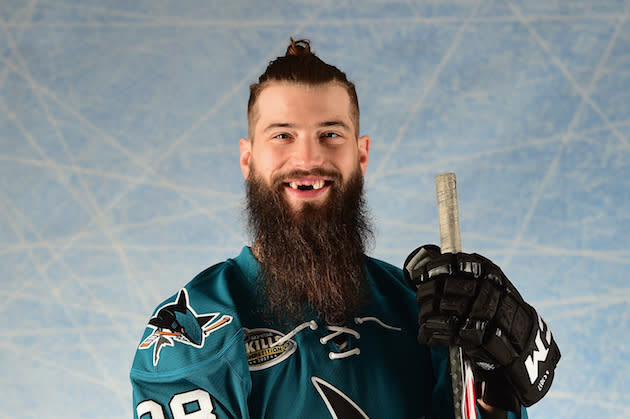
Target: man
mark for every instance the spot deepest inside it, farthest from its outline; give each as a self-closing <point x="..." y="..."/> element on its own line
<point x="303" y="324"/>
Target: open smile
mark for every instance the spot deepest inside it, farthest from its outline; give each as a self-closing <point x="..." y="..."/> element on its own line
<point x="307" y="187"/>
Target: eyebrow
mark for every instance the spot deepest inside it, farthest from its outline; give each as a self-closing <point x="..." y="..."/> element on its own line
<point x="334" y="124"/>
<point x="325" y="124"/>
<point x="278" y="125"/>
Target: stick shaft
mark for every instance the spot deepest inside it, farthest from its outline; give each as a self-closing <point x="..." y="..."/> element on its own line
<point x="451" y="242"/>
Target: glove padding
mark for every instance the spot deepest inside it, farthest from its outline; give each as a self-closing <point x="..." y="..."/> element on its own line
<point x="466" y="300"/>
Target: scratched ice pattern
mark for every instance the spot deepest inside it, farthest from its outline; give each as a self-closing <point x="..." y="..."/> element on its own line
<point x="119" y="125"/>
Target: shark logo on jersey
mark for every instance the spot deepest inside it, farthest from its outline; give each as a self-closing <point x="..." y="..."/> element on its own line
<point x="339" y="405"/>
<point x="178" y="322"/>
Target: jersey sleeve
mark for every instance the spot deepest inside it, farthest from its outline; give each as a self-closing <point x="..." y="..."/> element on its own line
<point x="190" y="364"/>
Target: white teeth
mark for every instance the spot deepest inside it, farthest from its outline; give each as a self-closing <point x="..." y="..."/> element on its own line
<point x="318" y="184"/>
<point x="293" y="185"/>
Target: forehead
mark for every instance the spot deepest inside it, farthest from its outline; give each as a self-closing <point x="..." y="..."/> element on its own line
<point x="300" y="103"/>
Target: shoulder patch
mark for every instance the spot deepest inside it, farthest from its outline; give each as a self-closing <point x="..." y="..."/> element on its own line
<point x="179" y="322"/>
<point x="261" y="349"/>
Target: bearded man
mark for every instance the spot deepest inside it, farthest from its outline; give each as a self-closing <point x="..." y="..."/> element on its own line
<point x="303" y="323"/>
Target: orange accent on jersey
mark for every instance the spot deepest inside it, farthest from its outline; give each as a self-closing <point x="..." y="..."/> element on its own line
<point x="220" y="323"/>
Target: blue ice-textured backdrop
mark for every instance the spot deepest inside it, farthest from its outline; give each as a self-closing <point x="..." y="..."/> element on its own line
<point x="119" y="125"/>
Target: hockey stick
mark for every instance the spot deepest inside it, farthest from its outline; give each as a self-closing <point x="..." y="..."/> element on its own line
<point x="464" y="401"/>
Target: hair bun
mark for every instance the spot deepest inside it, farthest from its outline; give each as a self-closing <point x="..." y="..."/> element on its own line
<point x="299" y="47"/>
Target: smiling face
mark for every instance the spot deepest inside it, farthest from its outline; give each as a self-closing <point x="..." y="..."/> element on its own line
<point x="303" y="141"/>
<point x="304" y="167"/>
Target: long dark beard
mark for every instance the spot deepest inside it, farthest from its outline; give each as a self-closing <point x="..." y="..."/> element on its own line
<point x="311" y="258"/>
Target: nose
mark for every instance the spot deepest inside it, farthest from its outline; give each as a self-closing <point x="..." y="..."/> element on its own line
<point x="308" y="153"/>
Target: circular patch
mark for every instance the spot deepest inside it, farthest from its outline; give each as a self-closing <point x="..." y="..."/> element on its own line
<point x="261" y="351"/>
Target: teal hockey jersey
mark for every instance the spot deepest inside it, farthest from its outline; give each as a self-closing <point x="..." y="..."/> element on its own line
<point x="208" y="353"/>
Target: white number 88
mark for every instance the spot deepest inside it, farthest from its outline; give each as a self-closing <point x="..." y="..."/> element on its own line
<point x="177" y="404"/>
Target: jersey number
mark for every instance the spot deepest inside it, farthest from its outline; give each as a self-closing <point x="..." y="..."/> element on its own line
<point x="195" y="404"/>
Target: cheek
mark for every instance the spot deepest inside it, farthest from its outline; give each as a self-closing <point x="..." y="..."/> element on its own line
<point x="347" y="162"/>
<point x="267" y="162"/>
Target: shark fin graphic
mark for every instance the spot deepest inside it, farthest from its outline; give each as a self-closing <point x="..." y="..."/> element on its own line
<point x="161" y="341"/>
<point x="339" y="405"/>
<point x="182" y="301"/>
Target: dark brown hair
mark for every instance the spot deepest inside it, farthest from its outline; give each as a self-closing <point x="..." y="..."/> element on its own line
<point x="300" y="65"/>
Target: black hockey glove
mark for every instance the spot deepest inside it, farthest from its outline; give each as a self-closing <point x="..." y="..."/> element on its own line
<point x="466" y="300"/>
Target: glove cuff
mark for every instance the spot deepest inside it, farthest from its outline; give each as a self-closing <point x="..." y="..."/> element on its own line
<point x="533" y="372"/>
<point x="496" y="390"/>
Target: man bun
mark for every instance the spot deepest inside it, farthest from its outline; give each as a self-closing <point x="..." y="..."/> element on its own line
<point x="299" y="47"/>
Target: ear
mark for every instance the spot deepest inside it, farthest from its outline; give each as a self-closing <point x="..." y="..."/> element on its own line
<point x="363" y="144"/>
<point x="245" y="146"/>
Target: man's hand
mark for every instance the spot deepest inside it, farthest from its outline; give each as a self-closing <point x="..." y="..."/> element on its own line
<point x="466" y="300"/>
